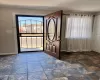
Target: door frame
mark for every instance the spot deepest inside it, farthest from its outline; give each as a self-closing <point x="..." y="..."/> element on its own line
<point x="17" y="31"/>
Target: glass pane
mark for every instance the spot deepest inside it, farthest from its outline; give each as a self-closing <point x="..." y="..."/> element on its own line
<point x="31" y="43"/>
<point x="30" y="24"/>
<point x="51" y="29"/>
<point x="22" y="26"/>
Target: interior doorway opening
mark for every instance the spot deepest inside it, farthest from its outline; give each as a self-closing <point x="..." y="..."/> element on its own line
<point x="29" y="33"/>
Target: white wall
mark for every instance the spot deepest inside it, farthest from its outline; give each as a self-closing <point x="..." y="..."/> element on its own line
<point x="8" y="38"/>
<point x="96" y="34"/>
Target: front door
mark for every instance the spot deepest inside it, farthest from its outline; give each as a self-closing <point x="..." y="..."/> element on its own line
<point x="52" y="33"/>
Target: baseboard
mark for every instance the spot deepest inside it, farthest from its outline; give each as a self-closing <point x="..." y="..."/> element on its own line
<point x="63" y="51"/>
<point x="96" y="52"/>
<point x="8" y="53"/>
<point x="73" y="51"/>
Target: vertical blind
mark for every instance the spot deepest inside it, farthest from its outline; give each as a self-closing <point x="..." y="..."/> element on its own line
<point x="79" y="32"/>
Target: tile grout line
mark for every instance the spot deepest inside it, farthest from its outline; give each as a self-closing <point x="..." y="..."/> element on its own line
<point x="44" y="71"/>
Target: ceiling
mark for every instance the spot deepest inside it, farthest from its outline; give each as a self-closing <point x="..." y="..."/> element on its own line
<point x="73" y="5"/>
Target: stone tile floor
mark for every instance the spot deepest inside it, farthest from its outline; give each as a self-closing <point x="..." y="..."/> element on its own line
<point x="40" y="66"/>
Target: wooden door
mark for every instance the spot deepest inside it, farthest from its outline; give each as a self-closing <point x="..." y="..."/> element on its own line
<point x="52" y="33"/>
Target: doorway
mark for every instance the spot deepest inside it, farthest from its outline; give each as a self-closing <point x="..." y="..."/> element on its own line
<point x="40" y="33"/>
<point x="29" y="33"/>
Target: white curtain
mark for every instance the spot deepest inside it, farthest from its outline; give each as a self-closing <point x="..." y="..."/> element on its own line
<point x="79" y="32"/>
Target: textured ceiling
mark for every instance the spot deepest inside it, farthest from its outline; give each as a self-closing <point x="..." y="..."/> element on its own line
<point x="76" y="5"/>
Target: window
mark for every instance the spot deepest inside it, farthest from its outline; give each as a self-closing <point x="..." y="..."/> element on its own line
<point x="78" y="26"/>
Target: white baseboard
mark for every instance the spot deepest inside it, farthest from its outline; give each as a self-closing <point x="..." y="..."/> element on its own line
<point x="8" y="53"/>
